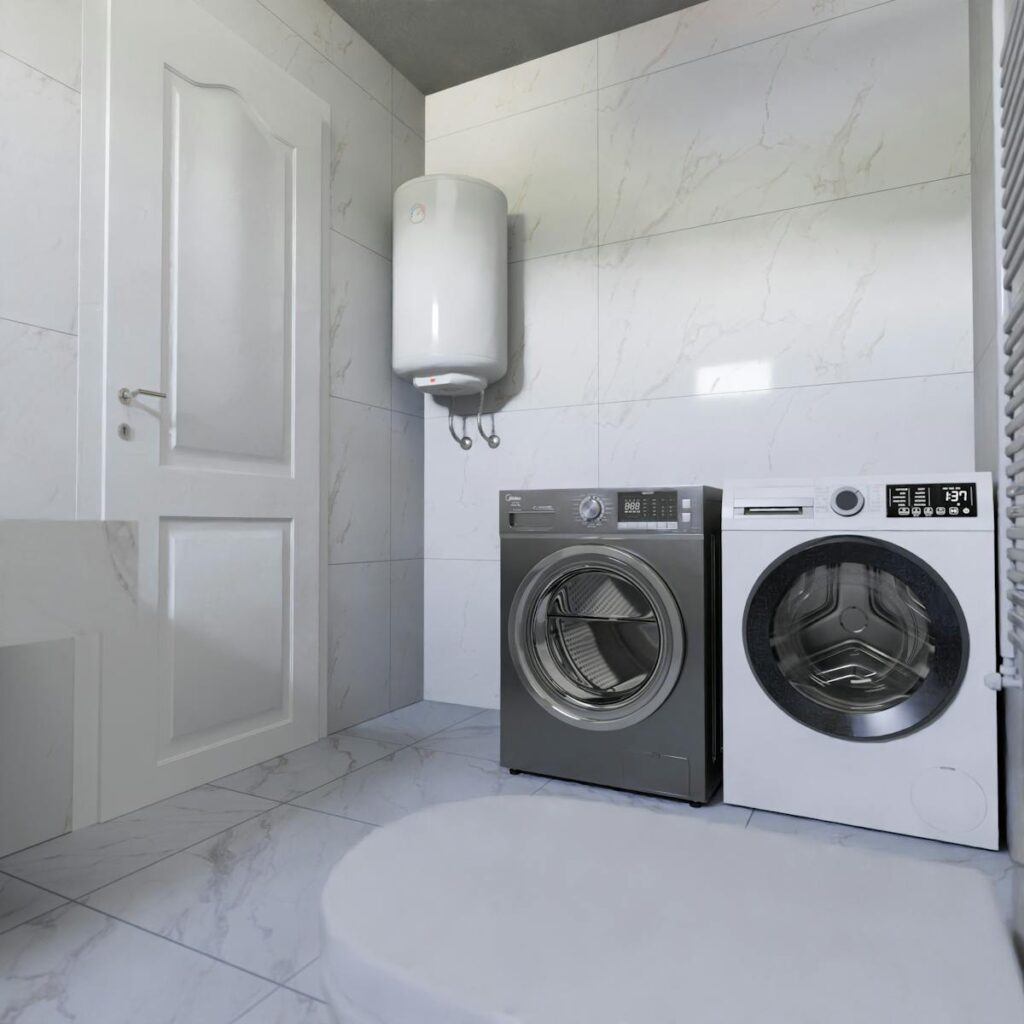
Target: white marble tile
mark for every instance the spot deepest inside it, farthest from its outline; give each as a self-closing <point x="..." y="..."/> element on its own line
<point x="308" y="981"/>
<point x="415" y="722"/>
<point x="872" y="427"/>
<point x="291" y="775"/>
<point x="407" y="103"/>
<point x="38" y="395"/>
<point x="39" y="131"/>
<point x="92" y="857"/>
<point x="461" y="631"/>
<point x="407" y="153"/>
<point x="20" y="902"/>
<point x="895" y="112"/>
<point x="406" y="679"/>
<point x="866" y="288"/>
<point x="539" y="448"/>
<point x="714" y="813"/>
<point x="535" y="83"/>
<point x="360" y="487"/>
<point x="405" y="398"/>
<point x="249" y="896"/>
<point x="545" y="161"/>
<point x="338" y="41"/>
<point x="359" y="637"/>
<point x="412" y="779"/>
<point x="707" y="28"/>
<point x="476" y="737"/>
<point x="406" y="486"/>
<point x="284" y="1007"/>
<point x="78" y="965"/>
<point x="360" y="323"/>
<point x="46" y="34"/>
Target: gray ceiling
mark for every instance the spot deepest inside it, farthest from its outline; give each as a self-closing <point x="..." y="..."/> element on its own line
<point x="439" y="43"/>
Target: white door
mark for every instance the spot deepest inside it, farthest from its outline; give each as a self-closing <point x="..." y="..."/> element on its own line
<point x="214" y="221"/>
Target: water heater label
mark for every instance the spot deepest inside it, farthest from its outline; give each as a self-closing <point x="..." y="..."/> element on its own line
<point x="418" y="214"/>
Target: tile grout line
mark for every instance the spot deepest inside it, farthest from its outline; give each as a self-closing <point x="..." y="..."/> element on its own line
<point x="39" y="71"/>
<point x="362" y="245"/>
<point x="38" y="327"/>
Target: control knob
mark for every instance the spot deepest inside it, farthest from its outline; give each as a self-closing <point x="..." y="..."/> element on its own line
<point x="591" y="509"/>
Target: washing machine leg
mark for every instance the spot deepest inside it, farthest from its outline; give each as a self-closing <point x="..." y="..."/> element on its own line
<point x="696" y="803"/>
<point x="514" y="771"/>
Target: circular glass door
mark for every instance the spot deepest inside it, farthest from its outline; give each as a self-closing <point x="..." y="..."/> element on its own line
<point x="856" y="638"/>
<point x="596" y="637"/>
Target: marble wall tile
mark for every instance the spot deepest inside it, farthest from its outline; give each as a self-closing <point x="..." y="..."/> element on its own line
<point x="540" y="448"/>
<point x="20" y="902"/>
<point x="462" y="631"/>
<point x="47" y="34"/>
<point x="895" y="112"/>
<point x="78" y="965"/>
<point x="285" y="1007"/>
<point x="407" y="153"/>
<point x="546" y="163"/>
<point x="407" y="103"/>
<point x="38" y="395"/>
<point x="704" y="29"/>
<point x="548" y="79"/>
<point x="923" y="423"/>
<point x="359" y="639"/>
<point x="339" y="42"/>
<point x="360" y="323"/>
<point x="360" y="488"/>
<point x="858" y="289"/>
<point x="406" y="486"/>
<point x="39" y="133"/>
<point x="249" y="896"/>
<point x="406" y="632"/>
<point x="95" y="856"/>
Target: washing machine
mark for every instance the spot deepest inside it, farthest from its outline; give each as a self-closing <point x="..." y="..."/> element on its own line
<point x="858" y="629"/>
<point x="610" y="662"/>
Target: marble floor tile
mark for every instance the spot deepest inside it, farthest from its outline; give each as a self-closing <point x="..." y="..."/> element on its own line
<point x="291" y="775"/>
<point x="81" y="861"/>
<point x="20" y="902"/>
<point x="249" y="896"/>
<point x="412" y="779"/>
<point x="77" y="965"/>
<point x="476" y="737"/>
<point x="307" y="981"/>
<point x="415" y="722"/>
<point x="285" y="1007"/>
<point x="715" y="812"/>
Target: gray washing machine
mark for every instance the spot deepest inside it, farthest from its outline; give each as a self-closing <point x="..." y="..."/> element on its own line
<point x="610" y="670"/>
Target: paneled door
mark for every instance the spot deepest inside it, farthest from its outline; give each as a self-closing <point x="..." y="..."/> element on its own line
<point x="210" y="404"/>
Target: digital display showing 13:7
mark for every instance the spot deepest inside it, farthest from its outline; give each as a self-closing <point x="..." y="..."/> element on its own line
<point x="957" y="501"/>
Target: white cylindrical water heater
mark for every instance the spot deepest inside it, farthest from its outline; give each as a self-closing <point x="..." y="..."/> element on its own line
<point x="450" y="297"/>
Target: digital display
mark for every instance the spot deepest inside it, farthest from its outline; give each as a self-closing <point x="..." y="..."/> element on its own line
<point x="648" y="506"/>
<point x="931" y="501"/>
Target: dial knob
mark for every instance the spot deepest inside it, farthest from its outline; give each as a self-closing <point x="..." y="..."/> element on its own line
<point x="591" y="509"/>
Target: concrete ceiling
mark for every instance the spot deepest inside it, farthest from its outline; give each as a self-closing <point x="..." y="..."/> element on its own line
<point x="440" y="43"/>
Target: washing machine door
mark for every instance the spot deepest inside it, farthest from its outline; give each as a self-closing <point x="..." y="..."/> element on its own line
<point x="856" y="638"/>
<point x="596" y="636"/>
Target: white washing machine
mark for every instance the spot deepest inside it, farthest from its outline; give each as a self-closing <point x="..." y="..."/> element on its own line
<point x="858" y="619"/>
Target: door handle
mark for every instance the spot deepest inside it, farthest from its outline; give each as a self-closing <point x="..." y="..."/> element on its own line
<point x="127" y="394"/>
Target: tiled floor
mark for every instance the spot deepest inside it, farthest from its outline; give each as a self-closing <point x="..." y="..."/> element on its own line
<point x="202" y="909"/>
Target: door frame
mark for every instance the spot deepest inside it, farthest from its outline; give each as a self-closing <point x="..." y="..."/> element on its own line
<point x="92" y="291"/>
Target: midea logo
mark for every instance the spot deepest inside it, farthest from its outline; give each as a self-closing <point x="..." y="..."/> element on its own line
<point x="513" y="497"/>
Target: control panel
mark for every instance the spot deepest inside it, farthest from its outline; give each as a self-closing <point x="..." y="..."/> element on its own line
<point x="915" y="501"/>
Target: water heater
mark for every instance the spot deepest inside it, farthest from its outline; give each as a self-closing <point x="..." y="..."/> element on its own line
<point x="450" y="298"/>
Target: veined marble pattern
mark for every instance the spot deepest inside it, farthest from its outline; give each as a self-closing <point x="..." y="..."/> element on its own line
<point x="408" y="103"/>
<point x="249" y="896"/>
<point x="535" y="83"/>
<point x="774" y="138"/>
<point x="360" y="323"/>
<point x="39" y="133"/>
<point x="359" y="639"/>
<point x="809" y="296"/>
<point x="709" y="28"/>
<point x="360" y="489"/>
<point x="549" y="448"/>
<point x="21" y="902"/>
<point x="38" y="396"/>
<point x="412" y="779"/>
<point x="284" y="1007"/>
<point x="461" y="602"/>
<point x="78" y="965"/>
<point x="290" y="775"/>
<point x="308" y="981"/>
<point x="409" y="724"/>
<point x="476" y="737"/>
<point x="407" y="153"/>
<point x="545" y="161"/>
<point x="872" y="427"/>
<point x="47" y="34"/>
<point x="406" y="486"/>
<point x="81" y="861"/>
<point x="405" y="684"/>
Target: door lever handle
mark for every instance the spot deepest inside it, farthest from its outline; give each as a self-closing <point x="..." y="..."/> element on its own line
<point x="127" y="394"/>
